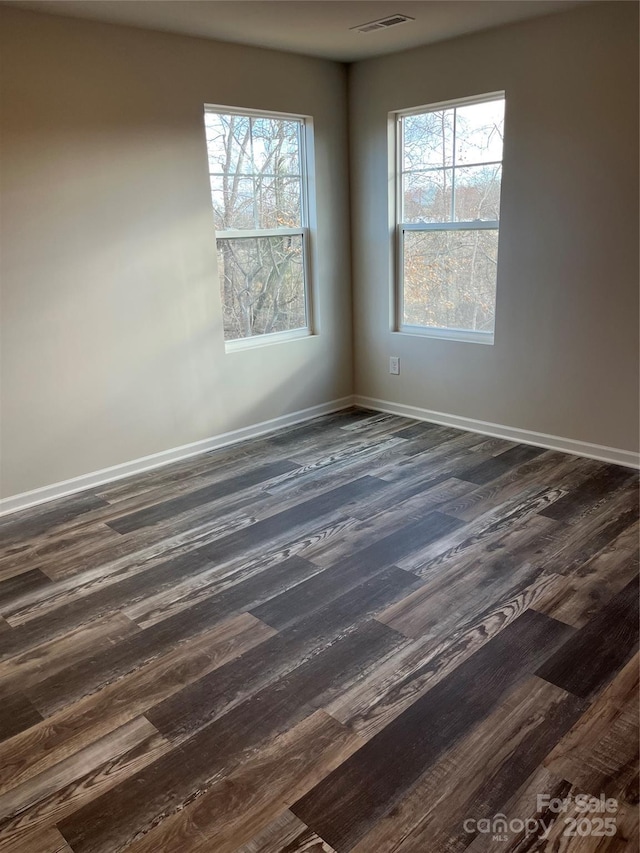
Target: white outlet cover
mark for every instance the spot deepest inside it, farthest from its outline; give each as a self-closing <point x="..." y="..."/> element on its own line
<point x="394" y="365"/>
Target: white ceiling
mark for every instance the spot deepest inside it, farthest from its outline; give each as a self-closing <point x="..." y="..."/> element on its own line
<point x="314" y="27"/>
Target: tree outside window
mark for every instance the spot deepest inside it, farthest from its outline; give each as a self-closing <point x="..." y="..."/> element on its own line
<point x="257" y="173"/>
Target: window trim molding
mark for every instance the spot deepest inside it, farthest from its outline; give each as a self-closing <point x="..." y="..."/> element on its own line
<point x="461" y="225"/>
<point x="465" y="336"/>
<point x="236" y="344"/>
<point x="305" y="231"/>
<point x="240" y="234"/>
<point x="398" y="228"/>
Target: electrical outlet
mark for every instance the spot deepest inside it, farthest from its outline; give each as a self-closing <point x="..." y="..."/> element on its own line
<point x="394" y="365"/>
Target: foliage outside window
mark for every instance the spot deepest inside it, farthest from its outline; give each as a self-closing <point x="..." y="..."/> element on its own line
<point x="258" y="191"/>
<point x="449" y="173"/>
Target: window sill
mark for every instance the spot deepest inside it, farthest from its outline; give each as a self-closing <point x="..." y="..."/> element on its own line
<point x="460" y="335"/>
<point x="266" y="340"/>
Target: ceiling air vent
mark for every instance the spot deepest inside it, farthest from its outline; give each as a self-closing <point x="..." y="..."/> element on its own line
<point x="382" y="23"/>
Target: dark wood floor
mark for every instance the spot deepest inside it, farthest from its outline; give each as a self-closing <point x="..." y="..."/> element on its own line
<point x="361" y="634"/>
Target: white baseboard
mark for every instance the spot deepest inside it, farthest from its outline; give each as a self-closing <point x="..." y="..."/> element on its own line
<point x="165" y="457"/>
<point x="175" y="454"/>
<point x="523" y="436"/>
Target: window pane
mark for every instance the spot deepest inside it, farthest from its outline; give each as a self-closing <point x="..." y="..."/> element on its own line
<point x="255" y="171"/>
<point x="479" y="132"/>
<point x="233" y="199"/>
<point x="428" y="140"/>
<point x="252" y="145"/>
<point x="276" y="146"/>
<point x="477" y="193"/>
<point x="427" y="196"/>
<point x="262" y="282"/>
<point x="450" y="279"/>
<point x="228" y="143"/>
<point x="279" y="202"/>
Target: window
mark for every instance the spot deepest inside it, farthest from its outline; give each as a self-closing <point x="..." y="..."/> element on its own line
<point x="257" y="170"/>
<point x="449" y="167"/>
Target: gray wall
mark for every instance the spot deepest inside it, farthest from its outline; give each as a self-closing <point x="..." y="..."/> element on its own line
<point x="112" y="342"/>
<point x="565" y="360"/>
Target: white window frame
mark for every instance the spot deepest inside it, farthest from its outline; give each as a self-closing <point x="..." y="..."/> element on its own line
<point x="305" y="137"/>
<point x="400" y="228"/>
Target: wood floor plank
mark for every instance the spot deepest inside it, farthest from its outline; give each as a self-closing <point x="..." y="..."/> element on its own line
<point x="62" y="546"/>
<point x="473" y="779"/>
<point x="110" y="664"/>
<point x="371" y="523"/>
<point x="407" y="746"/>
<point x="175" y="506"/>
<point x="114" y="819"/>
<point x="412" y="500"/>
<point x="15" y="587"/>
<point x="321" y="477"/>
<point x="324" y="443"/>
<point x="550" y="469"/>
<point x="378" y="518"/>
<point x="103" y="602"/>
<point x="17" y="713"/>
<point x="593" y="583"/>
<point x="595" y="489"/>
<point x="96" y="569"/>
<point x="383" y="466"/>
<point x="62" y="789"/>
<point x="474" y="584"/>
<point x="288" y="833"/>
<point x="246" y="801"/>
<point x="434" y="465"/>
<point x="431" y="434"/>
<point x="25" y="794"/>
<point x="46" y="552"/>
<point x="600" y="752"/>
<point x="314" y="497"/>
<point x="24" y="671"/>
<point x="46" y="840"/>
<point x="30" y="523"/>
<point x="593" y="655"/>
<point x="326" y="586"/>
<point x="180" y="489"/>
<point x="344" y="462"/>
<point x="399" y="680"/>
<point x="195" y="470"/>
<point x="144" y="548"/>
<point x="372" y="420"/>
<point x="286" y="520"/>
<point x="219" y="577"/>
<point x="332" y="623"/>
<point x="578" y="543"/>
<point x="490" y="469"/>
<point x="79" y="724"/>
<point x="486" y="532"/>
<point x="371" y="458"/>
